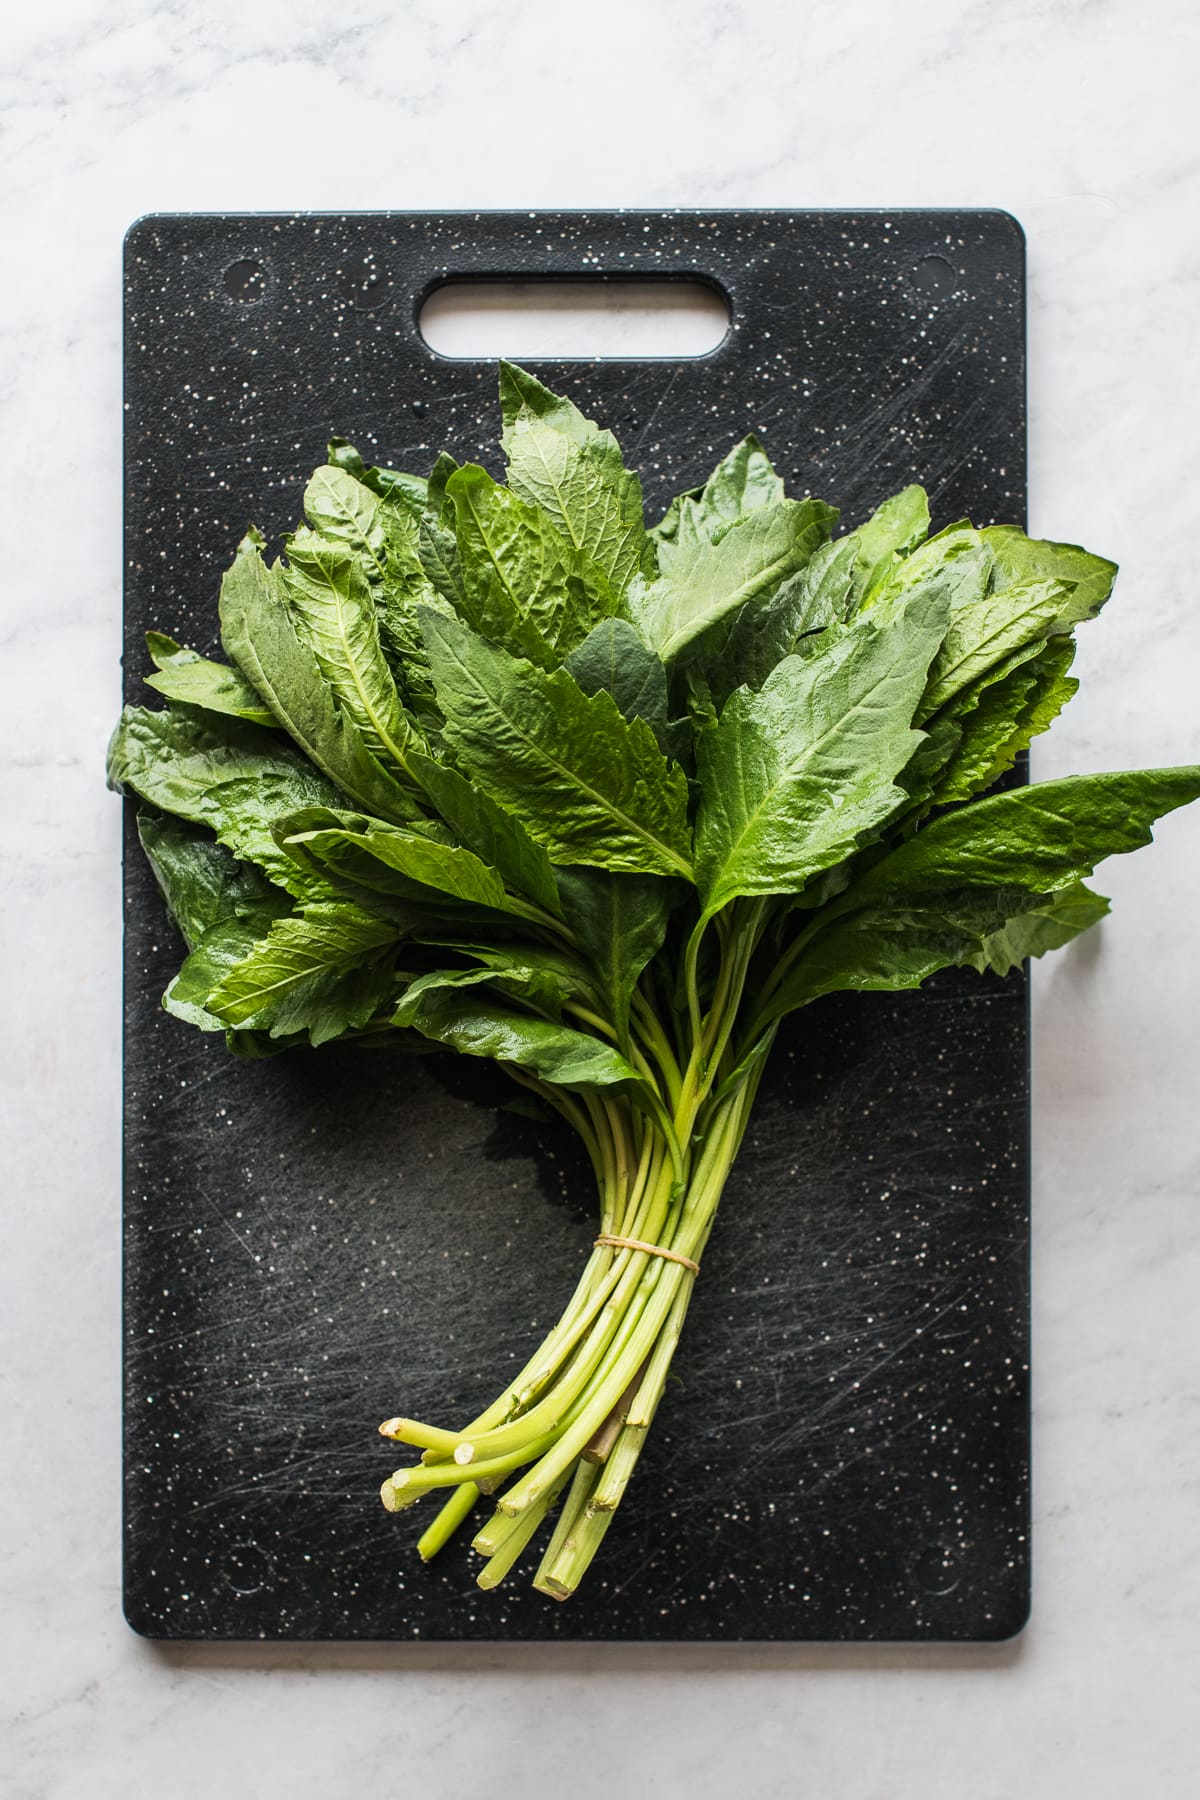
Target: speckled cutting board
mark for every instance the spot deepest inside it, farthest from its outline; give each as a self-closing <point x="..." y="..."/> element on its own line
<point x="316" y="1242"/>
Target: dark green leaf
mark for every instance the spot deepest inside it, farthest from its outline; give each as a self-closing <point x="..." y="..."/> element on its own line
<point x="542" y="985"/>
<point x="793" y="619"/>
<point x="477" y="1027"/>
<point x="587" y="784"/>
<point x="1047" y="926"/>
<point x="621" y="920"/>
<point x="224" y="774"/>
<point x="893" y="946"/>
<point x="218" y="950"/>
<point x="496" y="836"/>
<point x="319" y="971"/>
<point x="201" y="881"/>
<point x="369" y="852"/>
<point x="613" y="659"/>
<point x="259" y="634"/>
<point x="1037" y="838"/>
<point x="334" y="611"/>
<point x="706" y="583"/>
<point x="794" y="776"/>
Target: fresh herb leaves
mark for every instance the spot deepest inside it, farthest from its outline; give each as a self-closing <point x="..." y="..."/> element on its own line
<point x="495" y="769"/>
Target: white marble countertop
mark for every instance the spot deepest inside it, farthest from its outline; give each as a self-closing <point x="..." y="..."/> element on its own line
<point x="1073" y="116"/>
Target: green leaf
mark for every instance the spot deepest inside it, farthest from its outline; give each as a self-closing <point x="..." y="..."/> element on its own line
<point x="1045" y="927"/>
<point x="497" y="837"/>
<point x="621" y="920"/>
<point x="742" y="482"/>
<point x="224" y="774"/>
<point x="258" y="632"/>
<point x="373" y="854"/>
<point x="442" y="565"/>
<point x="562" y="462"/>
<point x="346" y="511"/>
<point x="524" y="587"/>
<point x="706" y="583"/>
<point x="478" y="1027"/>
<point x="518" y="977"/>
<point x="893" y="530"/>
<point x="201" y="881"/>
<point x="793" y="619"/>
<point x="958" y="560"/>
<point x="184" y="675"/>
<point x="218" y="950"/>
<point x="1004" y="719"/>
<point x="793" y="777"/>
<point x="612" y="659"/>
<point x="318" y="971"/>
<point x="334" y="611"/>
<point x="892" y="947"/>
<point x="588" y="785"/>
<point x="1019" y="559"/>
<point x="1037" y="838"/>
<point x="407" y="492"/>
<point x="985" y="634"/>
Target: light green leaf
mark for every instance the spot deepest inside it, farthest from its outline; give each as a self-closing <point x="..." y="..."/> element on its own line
<point x="958" y="560"/>
<point x="258" y="632"/>
<point x="334" y="611"/>
<point x="346" y="511"/>
<point x="707" y="583"/>
<point x="374" y="854"/>
<point x="408" y="492"/>
<point x="986" y="633"/>
<point x="793" y="777"/>
<point x="1004" y="719"/>
<point x="1019" y="559"/>
<point x="742" y="482"/>
<point x="562" y="462"/>
<point x="186" y="676"/>
<point x="893" y="530"/>
<point x="478" y="1027"/>
<point x="587" y="784"/>
<point x="318" y="971"/>
<point x="524" y="587"/>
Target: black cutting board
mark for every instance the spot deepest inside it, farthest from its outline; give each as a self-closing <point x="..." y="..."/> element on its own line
<point x="319" y="1241"/>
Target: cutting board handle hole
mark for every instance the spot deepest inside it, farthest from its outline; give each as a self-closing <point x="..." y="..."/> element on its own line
<point x="575" y="318"/>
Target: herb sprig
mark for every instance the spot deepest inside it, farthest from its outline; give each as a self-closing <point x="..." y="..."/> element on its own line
<point x="496" y="769"/>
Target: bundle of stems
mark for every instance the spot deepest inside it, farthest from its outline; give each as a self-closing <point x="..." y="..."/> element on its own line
<point x="579" y="1411"/>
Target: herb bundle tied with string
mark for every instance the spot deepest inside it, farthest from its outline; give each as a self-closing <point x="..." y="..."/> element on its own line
<point x="497" y="769"/>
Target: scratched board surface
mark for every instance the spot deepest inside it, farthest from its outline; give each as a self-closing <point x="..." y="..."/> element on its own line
<point x="319" y="1241"/>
